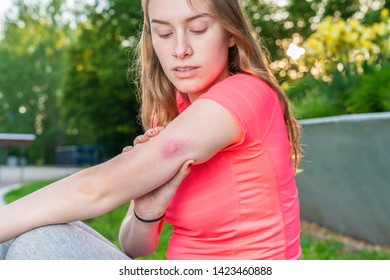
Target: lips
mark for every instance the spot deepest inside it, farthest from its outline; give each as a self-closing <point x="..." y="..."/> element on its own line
<point x="185" y="68"/>
<point x="185" y="71"/>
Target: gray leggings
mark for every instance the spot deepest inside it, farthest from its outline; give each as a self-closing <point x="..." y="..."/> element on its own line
<point x="74" y="241"/>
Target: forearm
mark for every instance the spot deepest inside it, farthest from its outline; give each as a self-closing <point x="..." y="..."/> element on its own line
<point x="140" y="230"/>
<point x="88" y="193"/>
<point x="51" y="205"/>
<point x="29" y="212"/>
<point x="139" y="239"/>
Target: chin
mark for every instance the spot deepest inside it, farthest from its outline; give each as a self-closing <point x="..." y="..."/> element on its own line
<point x="191" y="89"/>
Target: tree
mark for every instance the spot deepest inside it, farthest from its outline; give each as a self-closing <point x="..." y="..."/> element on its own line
<point x="99" y="104"/>
<point x="283" y="26"/>
<point x="32" y="55"/>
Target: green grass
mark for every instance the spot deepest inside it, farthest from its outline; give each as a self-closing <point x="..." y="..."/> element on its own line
<point x="330" y="249"/>
<point x="313" y="248"/>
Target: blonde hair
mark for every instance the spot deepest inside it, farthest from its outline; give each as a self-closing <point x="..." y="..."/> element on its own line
<point x="247" y="56"/>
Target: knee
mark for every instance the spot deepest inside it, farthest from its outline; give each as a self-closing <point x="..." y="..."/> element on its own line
<point x="33" y="244"/>
<point x="4" y="247"/>
<point x="40" y="233"/>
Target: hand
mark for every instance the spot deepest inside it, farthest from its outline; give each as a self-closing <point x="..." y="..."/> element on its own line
<point x="154" y="204"/>
<point x="144" y="138"/>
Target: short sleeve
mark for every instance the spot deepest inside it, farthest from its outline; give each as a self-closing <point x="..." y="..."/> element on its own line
<point x="250" y="101"/>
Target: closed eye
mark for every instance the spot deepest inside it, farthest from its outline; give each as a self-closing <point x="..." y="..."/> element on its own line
<point x="200" y="31"/>
<point x="165" y="35"/>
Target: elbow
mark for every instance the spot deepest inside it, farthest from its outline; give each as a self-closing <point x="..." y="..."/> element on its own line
<point x="131" y="254"/>
<point x="126" y="250"/>
<point x="136" y="244"/>
<point x="134" y="254"/>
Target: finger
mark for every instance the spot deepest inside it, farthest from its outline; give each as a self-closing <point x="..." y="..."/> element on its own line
<point x="149" y="133"/>
<point x="127" y="148"/>
<point x="152" y="132"/>
<point x="185" y="168"/>
<point x="167" y="191"/>
<point x="174" y="183"/>
<point x="159" y="128"/>
<point x="182" y="173"/>
<point x="140" y="139"/>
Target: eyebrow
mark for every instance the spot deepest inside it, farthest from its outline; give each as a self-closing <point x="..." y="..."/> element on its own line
<point x="202" y="15"/>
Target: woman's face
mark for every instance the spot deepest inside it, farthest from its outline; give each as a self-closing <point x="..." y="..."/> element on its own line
<point x="190" y="43"/>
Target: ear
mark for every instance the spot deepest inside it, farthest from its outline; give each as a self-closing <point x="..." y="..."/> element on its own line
<point x="232" y="41"/>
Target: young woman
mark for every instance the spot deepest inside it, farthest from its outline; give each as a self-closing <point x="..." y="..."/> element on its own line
<point x="204" y="77"/>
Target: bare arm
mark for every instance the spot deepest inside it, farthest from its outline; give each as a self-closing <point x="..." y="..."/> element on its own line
<point x="136" y="237"/>
<point x="99" y="189"/>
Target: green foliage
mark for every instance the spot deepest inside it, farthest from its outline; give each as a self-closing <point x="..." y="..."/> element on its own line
<point x="372" y="92"/>
<point x="314" y="106"/>
<point x="313" y="248"/>
<point x="99" y="105"/>
<point x="312" y="98"/>
<point x="341" y="8"/>
<point x="275" y="23"/>
<point x="346" y="93"/>
<point x="32" y="55"/>
<point x="350" y="62"/>
<point x="351" y="45"/>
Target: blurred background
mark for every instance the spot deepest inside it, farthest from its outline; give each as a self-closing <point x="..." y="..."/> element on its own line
<point x="64" y="68"/>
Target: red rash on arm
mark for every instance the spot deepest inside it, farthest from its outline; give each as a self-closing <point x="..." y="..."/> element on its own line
<point x="172" y="148"/>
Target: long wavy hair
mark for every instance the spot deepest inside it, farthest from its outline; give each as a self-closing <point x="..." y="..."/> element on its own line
<point x="157" y="93"/>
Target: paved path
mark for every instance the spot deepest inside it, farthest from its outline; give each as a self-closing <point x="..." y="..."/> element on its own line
<point x="13" y="177"/>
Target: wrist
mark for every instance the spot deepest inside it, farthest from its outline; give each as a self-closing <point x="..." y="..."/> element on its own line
<point x="144" y="220"/>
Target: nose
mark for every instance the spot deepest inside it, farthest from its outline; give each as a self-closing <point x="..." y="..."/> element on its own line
<point x="182" y="47"/>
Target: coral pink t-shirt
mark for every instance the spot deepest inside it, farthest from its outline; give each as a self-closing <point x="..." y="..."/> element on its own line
<point x="243" y="202"/>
